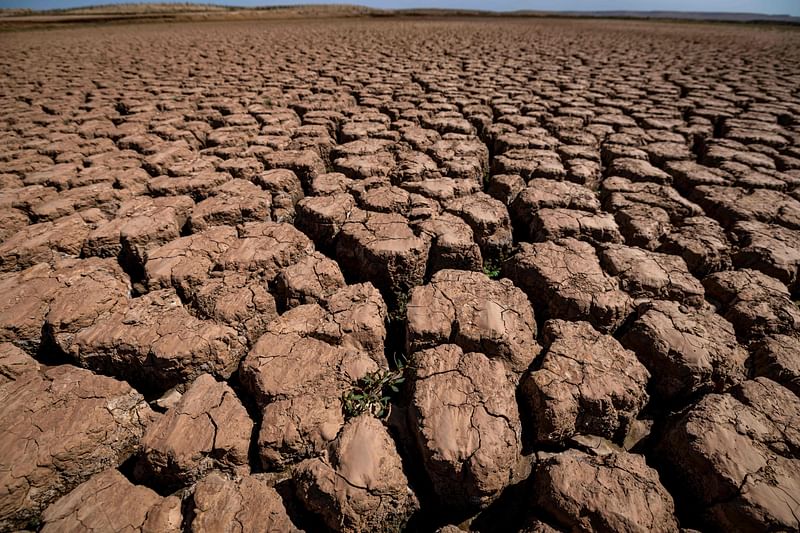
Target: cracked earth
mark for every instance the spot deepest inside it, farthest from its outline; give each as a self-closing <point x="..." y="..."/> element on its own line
<point x="582" y="239"/>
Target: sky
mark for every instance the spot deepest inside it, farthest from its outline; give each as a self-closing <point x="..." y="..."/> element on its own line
<point x="772" y="7"/>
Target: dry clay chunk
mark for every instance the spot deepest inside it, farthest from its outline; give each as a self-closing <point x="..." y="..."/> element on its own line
<point x="241" y="505"/>
<point x="328" y="184"/>
<point x="68" y="295"/>
<point x="477" y="314"/>
<point x="737" y="454"/>
<point x="587" y="383"/>
<point x="57" y="428"/>
<point x="237" y="299"/>
<point x="102" y="196"/>
<point x="550" y="194"/>
<point x="465" y="419"/>
<point x="197" y="185"/>
<point x="686" y="350"/>
<point x="156" y="342"/>
<point x="47" y="241"/>
<point x="549" y="224"/>
<point x="14" y="362"/>
<point x="231" y="203"/>
<point x="382" y="198"/>
<point x="529" y="163"/>
<point x="357" y="314"/>
<point x="452" y="244"/>
<point x="168" y="155"/>
<point x="184" y="263"/>
<point x="382" y="248"/>
<point x="646" y="274"/>
<point x="488" y="219"/>
<point x="505" y="187"/>
<point x="688" y="175"/>
<point x="614" y="492"/>
<point x="208" y="427"/>
<point x="442" y="189"/>
<point x="729" y="205"/>
<point x="280" y="182"/>
<point x="754" y="303"/>
<point x="462" y="158"/>
<point x="563" y="279"/>
<point x="306" y="164"/>
<point x="643" y="225"/>
<point x="702" y="243"/>
<point x="360" y="167"/>
<point x="311" y="280"/>
<point x="12" y="221"/>
<point x="359" y="484"/>
<point x="778" y="358"/>
<point x="322" y="217"/>
<point x="26" y="300"/>
<point x="109" y="502"/>
<point x="638" y="170"/>
<point x="265" y="248"/>
<point x="772" y="249"/>
<point x="141" y="224"/>
<point x="620" y="194"/>
<point x="90" y="288"/>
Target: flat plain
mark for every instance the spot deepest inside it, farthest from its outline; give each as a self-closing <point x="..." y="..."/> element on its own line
<point x="428" y="273"/>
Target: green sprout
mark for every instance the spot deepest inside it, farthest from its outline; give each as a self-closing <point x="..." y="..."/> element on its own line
<point x="398" y="314"/>
<point x="372" y="393"/>
<point x="491" y="268"/>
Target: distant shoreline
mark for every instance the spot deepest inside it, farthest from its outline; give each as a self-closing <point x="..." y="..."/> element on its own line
<point x="11" y="19"/>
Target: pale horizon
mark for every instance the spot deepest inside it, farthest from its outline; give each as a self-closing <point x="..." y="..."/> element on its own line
<point x="774" y="7"/>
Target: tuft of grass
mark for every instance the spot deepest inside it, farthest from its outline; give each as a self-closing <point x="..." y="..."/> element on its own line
<point x="491" y="268"/>
<point x="373" y="393"/>
<point x="486" y="179"/>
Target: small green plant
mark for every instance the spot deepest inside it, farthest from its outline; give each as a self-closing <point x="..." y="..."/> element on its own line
<point x="372" y="393"/>
<point x="491" y="268"/>
<point x="398" y="314"/>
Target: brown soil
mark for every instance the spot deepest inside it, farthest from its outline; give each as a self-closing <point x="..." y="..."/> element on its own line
<point x="580" y="239"/>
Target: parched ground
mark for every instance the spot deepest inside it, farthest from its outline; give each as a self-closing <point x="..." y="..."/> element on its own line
<point x="579" y="239"/>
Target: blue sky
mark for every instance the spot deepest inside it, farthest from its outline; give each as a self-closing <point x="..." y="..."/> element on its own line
<point x="788" y="7"/>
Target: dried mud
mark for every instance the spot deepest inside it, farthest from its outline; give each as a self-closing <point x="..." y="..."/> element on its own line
<point x="580" y="238"/>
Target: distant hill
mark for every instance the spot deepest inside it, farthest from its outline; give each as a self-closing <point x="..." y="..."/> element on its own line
<point x="146" y="8"/>
<point x="135" y="8"/>
<point x="147" y="12"/>
<point x="26" y="19"/>
<point x="678" y="15"/>
<point x="176" y="9"/>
